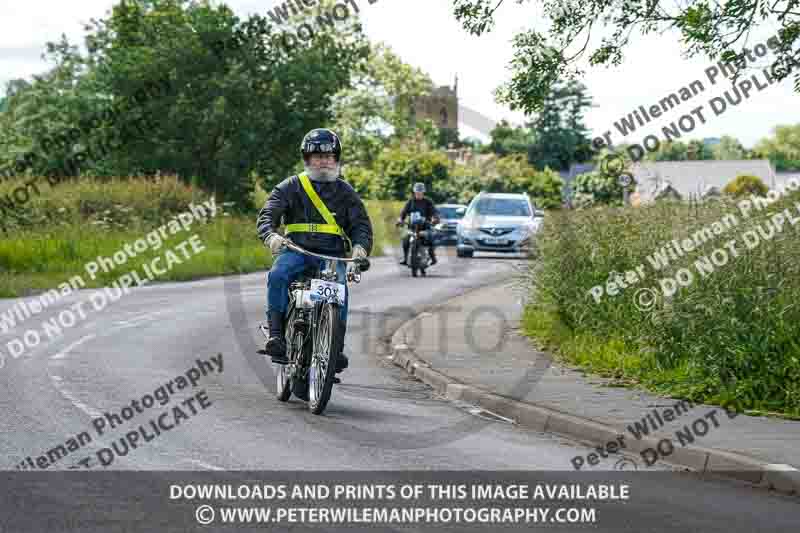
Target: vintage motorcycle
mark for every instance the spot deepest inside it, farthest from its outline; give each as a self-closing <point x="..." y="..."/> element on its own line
<point x="418" y="255"/>
<point x="314" y="333"/>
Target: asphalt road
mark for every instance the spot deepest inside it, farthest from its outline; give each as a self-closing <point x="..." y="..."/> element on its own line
<point x="378" y="418"/>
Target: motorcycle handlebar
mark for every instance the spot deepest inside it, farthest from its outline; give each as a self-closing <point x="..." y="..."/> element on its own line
<point x="362" y="263"/>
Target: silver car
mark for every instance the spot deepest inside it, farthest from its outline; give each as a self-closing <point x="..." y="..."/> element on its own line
<point x="497" y="222"/>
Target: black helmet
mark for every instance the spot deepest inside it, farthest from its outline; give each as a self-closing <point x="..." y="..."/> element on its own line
<point x="321" y="141"/>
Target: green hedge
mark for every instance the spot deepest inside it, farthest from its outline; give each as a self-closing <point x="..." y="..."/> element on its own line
<point x="731" y="335"/>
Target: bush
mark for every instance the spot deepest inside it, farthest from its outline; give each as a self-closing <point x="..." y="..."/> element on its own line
<point x="746" y="185"/>
<point x="729" y="335"/>
<point x="594" y="188"/>
<point x="399" y="168"/>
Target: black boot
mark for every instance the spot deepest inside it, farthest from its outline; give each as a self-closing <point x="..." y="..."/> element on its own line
<point x="433" y="256"/>
<point x="341" y="362"/>
<point x="276" y="345"/>
<point x="405" y="253"/>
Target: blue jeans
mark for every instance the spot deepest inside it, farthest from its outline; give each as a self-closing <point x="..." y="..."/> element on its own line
<point x="287" y="268"/>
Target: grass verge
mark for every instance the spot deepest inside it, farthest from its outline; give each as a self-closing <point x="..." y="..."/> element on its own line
<point x="730" y="335"/>
<point x="55" y="234"/>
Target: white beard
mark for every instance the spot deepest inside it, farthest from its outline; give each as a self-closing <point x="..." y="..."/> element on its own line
<point x="324" y="174"/>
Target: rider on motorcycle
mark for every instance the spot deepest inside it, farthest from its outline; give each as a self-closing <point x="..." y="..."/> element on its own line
<point x="321" y="211"/>
<point x="425" y="207"/>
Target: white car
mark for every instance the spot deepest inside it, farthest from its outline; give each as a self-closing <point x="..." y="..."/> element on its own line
<point x="499" y="223"/>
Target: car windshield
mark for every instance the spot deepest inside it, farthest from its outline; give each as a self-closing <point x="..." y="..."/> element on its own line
<point x="510" y="207"/>
<point x="449" y="212"/>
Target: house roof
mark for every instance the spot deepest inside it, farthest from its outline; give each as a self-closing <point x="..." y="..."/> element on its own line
<point x="693" y="178"/>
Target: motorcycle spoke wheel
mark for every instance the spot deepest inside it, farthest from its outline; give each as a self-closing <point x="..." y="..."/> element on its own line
<point x="323" y="364"/>
<point x="285" y="373"/>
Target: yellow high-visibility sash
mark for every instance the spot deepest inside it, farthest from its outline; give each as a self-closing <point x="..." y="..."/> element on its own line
<point x="331" y="227"/>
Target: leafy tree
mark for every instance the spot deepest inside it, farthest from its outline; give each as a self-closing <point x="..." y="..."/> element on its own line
<point x="783" y="148"/>
<point x="746" y="185"/>
<point x="476" y="144"/>
<point x="541" y="59"/>
<point x="447" y="137"/>
<point x="729" y="148"/>
<point x="546" y="189"/>
<point x="561" y="136"/>
<point x="669" y="151"/>
<point x="378" y="105"/>
<point x="509" y="174"/>
<point x="235" y="101"/>
<point x="596" y="188"/>
<point x="399" y="167"/>
<point x="508" y="139"/>
<point x="698" y="151"/>
<point x="363" y="180"/>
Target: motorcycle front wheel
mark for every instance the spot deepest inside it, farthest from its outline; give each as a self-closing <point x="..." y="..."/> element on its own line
<point x="327" y="346"/>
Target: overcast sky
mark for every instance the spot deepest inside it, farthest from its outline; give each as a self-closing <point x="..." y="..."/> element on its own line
<point x="425" y="34"/>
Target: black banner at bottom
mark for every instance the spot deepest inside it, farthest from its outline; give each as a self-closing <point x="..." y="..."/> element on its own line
<point x="385" y="501"/>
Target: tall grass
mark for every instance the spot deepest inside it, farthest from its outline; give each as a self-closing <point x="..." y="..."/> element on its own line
<point x="53" y="236"/>
<point x="732" y="335"/>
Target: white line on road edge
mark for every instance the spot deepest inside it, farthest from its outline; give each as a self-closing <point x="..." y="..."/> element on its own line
<point x="77" y="403"/>
<point x="56" y="380"/>
<point x="63" y="353"/>
<point x="781" y="468"/>
<point x="479" y="411"/>
<point x="204" y="465"/>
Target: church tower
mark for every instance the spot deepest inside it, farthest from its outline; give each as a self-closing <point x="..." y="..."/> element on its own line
<point x="441" y="107"/>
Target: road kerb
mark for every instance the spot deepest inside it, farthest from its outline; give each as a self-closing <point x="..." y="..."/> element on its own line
<point x="541" y="418"/>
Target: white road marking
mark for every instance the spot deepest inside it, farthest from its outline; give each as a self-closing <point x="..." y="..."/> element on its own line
<point x="139" y="318"/>
<point x="58" y="379"/>
<point x="479" y="412"/>
<point x="63" y="353"/>
<point x="781" y="468"/>
<point x="77" y="403"/>
<point x="204" y="465"/>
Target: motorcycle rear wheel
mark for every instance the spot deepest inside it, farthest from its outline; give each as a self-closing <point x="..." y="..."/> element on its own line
<point x="414" y="257"/>
<point x="327" y="345"/>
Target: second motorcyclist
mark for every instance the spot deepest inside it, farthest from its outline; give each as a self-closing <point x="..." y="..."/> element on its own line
<point x="418" y="203"/>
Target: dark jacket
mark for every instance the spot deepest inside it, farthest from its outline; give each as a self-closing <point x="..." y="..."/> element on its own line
<point x="289" y="204"/>
<point x="424" y="206"/>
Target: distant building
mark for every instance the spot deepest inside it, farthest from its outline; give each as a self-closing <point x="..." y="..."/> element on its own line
<point x="693" y="179"/>
<point x="441" y="107"/>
